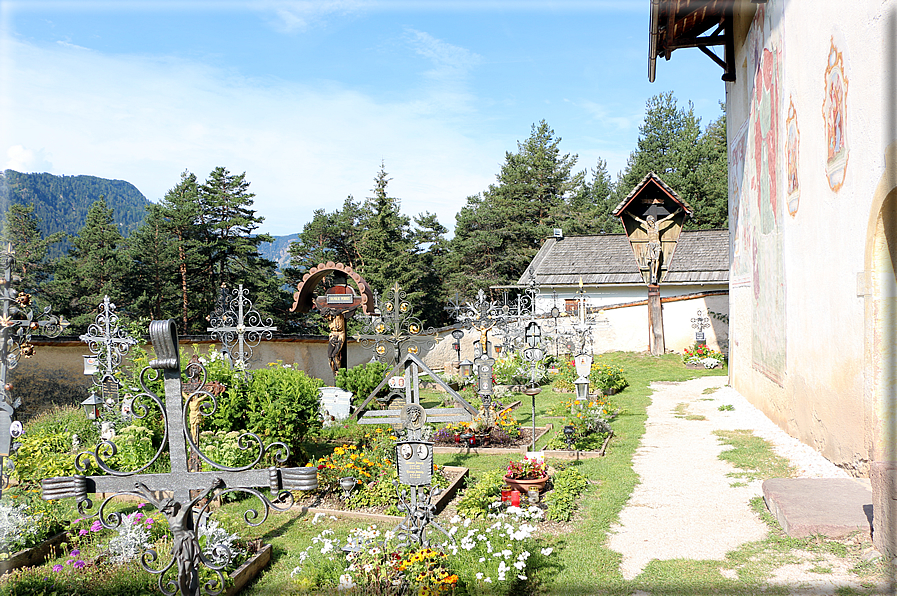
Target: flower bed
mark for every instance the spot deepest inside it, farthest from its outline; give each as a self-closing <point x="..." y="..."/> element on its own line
<point x="32" y="556"/>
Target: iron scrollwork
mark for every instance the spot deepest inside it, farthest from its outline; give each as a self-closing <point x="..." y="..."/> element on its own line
<point x="394" y="327"/>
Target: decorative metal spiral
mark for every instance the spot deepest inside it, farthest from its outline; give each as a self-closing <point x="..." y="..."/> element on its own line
<point x="395" y="331"/>
<point x="239" y="327"/>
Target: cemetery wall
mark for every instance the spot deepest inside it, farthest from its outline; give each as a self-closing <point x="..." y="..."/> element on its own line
<point x="809" y="125"/>
<point x="619" y="328"/>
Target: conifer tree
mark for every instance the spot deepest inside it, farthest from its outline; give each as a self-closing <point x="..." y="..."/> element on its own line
<point x="21" y="231"/>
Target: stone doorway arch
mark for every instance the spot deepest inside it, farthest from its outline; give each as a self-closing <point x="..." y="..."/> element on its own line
<point x="880" y="280"/>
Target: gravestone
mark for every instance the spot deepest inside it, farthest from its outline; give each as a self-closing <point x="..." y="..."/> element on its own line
<point x="335" y="402"/>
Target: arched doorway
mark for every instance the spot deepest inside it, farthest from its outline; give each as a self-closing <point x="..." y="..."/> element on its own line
<point x="881" y="366"/>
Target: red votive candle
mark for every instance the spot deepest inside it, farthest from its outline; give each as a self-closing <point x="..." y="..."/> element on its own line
<point x="506" y="495"/>
<point x="515" y="498"/>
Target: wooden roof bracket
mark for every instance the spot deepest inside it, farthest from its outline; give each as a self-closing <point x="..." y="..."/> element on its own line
<point x="662" y="43"/>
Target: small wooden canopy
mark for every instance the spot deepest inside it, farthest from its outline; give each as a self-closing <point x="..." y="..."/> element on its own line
<point x="303" y="297"/>
<point x="702" y="24"/>
<point x="652" y="197"/>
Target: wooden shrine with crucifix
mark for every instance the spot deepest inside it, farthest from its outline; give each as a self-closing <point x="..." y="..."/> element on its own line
<point x="338" y="303"/>
<point x="652" y="216"/>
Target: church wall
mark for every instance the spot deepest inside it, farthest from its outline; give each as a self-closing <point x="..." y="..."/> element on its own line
<point x="806" y="151"/>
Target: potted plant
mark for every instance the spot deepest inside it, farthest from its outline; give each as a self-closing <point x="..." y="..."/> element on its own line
<point x="525" y="474"/>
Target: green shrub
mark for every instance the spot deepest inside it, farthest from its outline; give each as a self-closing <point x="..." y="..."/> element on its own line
<point x="361" y="380"/>
<point x="567" y="485"/>
<point x="476" y="499"/>
<point x="46" y="447"/>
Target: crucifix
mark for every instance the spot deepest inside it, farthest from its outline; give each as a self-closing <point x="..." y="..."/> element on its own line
<point x="110" y="343"/>
<point x="652" y="216"/>
<point x="187" y="489"/>
<point x="240" y="326"/>
<point x="393" y="327"/>
<point x="17" y="323"/>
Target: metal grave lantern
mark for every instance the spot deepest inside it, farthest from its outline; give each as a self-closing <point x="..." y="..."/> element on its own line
<point x="652" y="216"/>
<point x="188" y="490"/>
<point x="239" y="327"/>
<point x="92" y="405"/>
<point x="337" y="304"/>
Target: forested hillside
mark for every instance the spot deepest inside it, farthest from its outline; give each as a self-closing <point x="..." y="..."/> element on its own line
<point x="62" y="202"/>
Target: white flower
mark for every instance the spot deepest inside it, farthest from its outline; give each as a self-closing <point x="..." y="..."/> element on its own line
<point x="482" y="559"/>
<point x="455" y="520"/>
<point x="521" y="577"/>
<point x="506" y="553"/>
<point x="488" y="580"/>
<point x="519" y="565"/>
<point x="317" y="517"/>
<point x="296" y="572"/>
<point x="479" y="576"/>
<point x="547" y="551"/>
<point x="346" y="582"/>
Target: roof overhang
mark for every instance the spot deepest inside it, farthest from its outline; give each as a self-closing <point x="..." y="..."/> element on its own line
<point x="702" y="24"/>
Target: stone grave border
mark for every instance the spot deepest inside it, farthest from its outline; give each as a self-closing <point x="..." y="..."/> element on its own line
<point x="447" y="495"/>
<point x="35" y="555"/>
<point x="541" y="431"/>
<point x="248" y="570"/>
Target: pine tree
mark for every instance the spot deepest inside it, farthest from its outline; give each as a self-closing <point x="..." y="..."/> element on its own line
<point x="95" y="267"/>
<point x="671" y="145"/>
<point x="499" y="231"/>
<point x="152" y="280"/>
<point x="21" y="230"/>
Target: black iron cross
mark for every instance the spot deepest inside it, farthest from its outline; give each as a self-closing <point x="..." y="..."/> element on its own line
<point x="108" y="341"/>
<point x="240" y="326"/>
<point x="17" y="323"/>
<point x="186" y="551"/>
<point x="700" y="323"/>
<point x="395" y="327"/>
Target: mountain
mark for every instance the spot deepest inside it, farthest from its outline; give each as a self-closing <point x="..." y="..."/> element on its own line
<point x="279" y="250"/>
<point x="62" y="202"/>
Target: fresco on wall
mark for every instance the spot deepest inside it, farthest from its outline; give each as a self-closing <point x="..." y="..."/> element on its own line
<point x="792" y="144"/>
<point x="834" y="108"/>
<point x="760" y="181"/>
<point x="741" y="232"/>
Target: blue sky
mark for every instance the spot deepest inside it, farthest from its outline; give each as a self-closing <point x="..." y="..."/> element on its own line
<point x="308" y="97"/>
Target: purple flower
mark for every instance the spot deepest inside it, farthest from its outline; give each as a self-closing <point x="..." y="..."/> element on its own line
<point x="96" y="526"/>
<point x="70" y="561"/>
<point x="75" y="553"/>
<point x="141" y="505"/>
<point x="82" y="532"/>
<point x="79" y="564"/>
<point x="150" y="521"/>
<point x="57" y="568"/>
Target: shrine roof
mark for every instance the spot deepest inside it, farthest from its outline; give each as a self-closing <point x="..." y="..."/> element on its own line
<point x="702" y="256"/>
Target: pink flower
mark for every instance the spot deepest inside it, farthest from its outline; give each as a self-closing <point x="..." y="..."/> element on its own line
<point x="150" y="521"/>
<point x="141" y="505"/>
<point x="96" y="526"/>
<point x="57" y="568"/>
<point x="82" y="532"/>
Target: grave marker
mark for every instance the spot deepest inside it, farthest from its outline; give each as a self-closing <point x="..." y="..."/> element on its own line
<point x="239" y="327"/>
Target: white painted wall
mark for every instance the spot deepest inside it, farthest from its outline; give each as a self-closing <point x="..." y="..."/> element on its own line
<point x="797" y="351"/>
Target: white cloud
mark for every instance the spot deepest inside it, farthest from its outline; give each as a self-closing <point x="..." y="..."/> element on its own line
<point x="146" y="119"/>
<point x="23" y="159"/>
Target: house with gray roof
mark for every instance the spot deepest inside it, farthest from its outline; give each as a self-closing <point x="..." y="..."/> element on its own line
<point x="609" y="273"/>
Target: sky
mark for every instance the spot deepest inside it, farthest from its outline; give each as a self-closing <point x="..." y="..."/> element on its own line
<point x="310" y="98"/>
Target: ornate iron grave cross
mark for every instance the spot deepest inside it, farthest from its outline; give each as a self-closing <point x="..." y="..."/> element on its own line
<point x="187" y="553"/>
<point x="110" y="343"/>
<point x="238" y="325"/>
<point x="515" y="312"/>
<point x="700" y="323"/>
<point x="414" y="453"/>
<point x="393" y="327"/>
<point x="17" y="323"/>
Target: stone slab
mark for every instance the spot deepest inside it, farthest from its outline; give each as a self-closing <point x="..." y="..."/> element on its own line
<point x="832" y="507"/>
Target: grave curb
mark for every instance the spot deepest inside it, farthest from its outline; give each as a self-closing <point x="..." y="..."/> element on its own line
<point x="541" y="431"/>
<point x="35" y="555"/>
<point x="440" y="504"/>
<point x="246" y="572"/>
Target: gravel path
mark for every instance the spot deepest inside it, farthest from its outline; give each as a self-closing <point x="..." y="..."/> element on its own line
<point x="684" y="505"/>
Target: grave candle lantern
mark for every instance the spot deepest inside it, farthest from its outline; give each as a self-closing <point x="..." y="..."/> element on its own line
<point x="515" y="498"/>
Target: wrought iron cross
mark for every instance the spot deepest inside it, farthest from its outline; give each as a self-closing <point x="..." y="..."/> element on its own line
<point x="17" y="323"/>
<point x="700" y="323"/>
<point x="239" y="326"/>
<point x="108" y="341"/>
<point x="187" y="554"/>
<point x="394" y="327"/>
